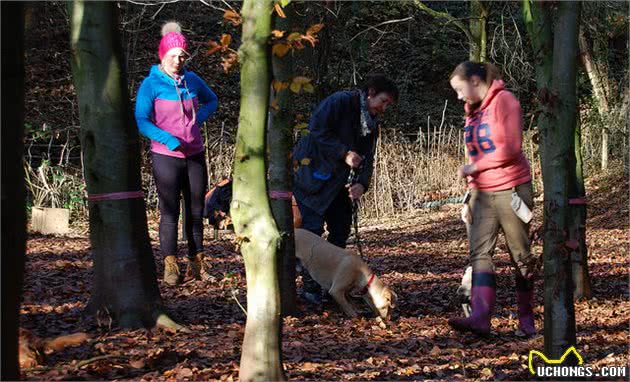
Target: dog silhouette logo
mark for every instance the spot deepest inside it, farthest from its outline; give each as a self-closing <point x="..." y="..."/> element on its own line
<point x="556" y="362"/>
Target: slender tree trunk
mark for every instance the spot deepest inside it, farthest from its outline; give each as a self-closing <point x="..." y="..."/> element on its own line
<point x="604" y="158"/>
<point x="559" y="309"/>
<point x="577" y="222"/>
<point x="601" y="92"/>
<point x="475" y="31"/>
<point x="321" y="56"/>
<point x="261" y="357"/>
<point x="13" y="188"/>
<point x="594" y="74"/>
<point x="538" y="22"/>
<point x="478" y="22"/>
<point x="125" y="283"/>
<point x="555" y="55"/>
<point x="280" y="142"/>
<point x="359" y="48"/>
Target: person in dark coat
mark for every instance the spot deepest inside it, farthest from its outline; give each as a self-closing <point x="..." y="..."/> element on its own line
<point x="342" y="137"/>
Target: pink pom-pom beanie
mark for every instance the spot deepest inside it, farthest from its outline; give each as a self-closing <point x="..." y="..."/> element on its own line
<point x="172" y="37"/>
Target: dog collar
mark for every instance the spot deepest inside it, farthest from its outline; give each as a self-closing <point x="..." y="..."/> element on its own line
<point x="367" y="286"/>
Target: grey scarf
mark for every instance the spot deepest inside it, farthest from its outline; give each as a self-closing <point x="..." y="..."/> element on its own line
<point x="368" y="123"/>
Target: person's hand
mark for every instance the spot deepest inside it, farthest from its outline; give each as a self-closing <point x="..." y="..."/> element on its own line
<point x="355" y="191"/>
<point x="466" y="170"/>
<point x="353" y="159"/>
<point x="179" y="147"/>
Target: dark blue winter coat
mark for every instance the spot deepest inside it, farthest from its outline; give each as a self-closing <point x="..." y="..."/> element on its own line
<point x="320" y="171"/>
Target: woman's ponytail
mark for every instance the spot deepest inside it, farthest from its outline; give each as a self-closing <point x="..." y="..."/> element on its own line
<point x="486" y="71"/>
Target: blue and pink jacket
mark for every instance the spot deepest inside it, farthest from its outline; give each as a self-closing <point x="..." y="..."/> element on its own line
<point x="168" y="112"/>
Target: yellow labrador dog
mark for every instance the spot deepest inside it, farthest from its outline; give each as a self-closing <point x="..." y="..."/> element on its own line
<point x="341" y="272"/>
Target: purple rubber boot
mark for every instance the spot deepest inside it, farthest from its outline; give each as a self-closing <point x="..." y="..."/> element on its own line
<point x="524" y="298"/>
<point x="482" y="300"/>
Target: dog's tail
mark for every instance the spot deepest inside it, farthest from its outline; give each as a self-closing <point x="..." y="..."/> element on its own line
<point x="62" y="342"/>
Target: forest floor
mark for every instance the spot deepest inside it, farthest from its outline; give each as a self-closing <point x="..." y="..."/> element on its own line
<point x="421" y="257"/>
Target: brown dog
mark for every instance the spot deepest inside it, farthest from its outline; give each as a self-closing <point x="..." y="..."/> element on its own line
<point x="341" y="272"/>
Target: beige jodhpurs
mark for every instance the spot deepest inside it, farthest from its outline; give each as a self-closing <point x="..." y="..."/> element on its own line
<point x="491" y="211"/>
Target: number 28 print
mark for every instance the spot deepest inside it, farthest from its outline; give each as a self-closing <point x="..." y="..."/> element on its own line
<point x="482" y="135"/>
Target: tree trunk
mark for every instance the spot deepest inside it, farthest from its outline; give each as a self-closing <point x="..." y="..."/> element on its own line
<point x="594" y="74"/>
<point x="13" y="188"/>
<point x="538" y="22"/>
<point x="125" y="283"/>
<point x="476" y="31"/>
<point x="321" y="55"/>
<point x="253" y="222"/>
<point x="474" y="42"/>
<point x="599" y="83"/>
<point x="280" y="142"/>
<point x="555" y="55"/>
<point x="577" y="221"/>
<point x="604" y="160"/>
<point x="359" y="48"/>
<point x="478" y="21"/>
<point x="559" y="309"/>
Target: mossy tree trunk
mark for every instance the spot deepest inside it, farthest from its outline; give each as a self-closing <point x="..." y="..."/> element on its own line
<point x="13" y="187"/>
<point x="322" y="54"/>
<point x="475" y="32"/>
<point x="601" y="90"/>
<point x="556" y="80"/>
<point x="261" y="357"/>
<point x="280" y="143"/>
<point x="477" y="25"/>
<point x="559" y="145"/>
<point x="577" y="221"/>
<point x="125" y="282"/>
<point x="538" y="22"/>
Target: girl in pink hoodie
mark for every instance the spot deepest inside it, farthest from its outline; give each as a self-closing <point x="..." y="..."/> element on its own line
<point x="497" y="173"/>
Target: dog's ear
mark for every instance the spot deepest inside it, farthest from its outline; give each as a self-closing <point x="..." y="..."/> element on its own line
<point x="389" y="296"/>
<point x="394" y="299"/>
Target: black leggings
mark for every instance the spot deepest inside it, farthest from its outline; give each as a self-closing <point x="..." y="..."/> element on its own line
<point x="174" y="176"/>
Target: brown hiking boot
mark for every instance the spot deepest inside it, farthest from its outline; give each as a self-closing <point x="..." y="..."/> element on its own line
<point x="171" y="270"/>
<point x="198" y="268"/>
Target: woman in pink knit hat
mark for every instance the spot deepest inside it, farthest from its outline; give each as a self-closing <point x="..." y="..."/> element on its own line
<point x="171" y="105"/>
<point x="500" y="185"/>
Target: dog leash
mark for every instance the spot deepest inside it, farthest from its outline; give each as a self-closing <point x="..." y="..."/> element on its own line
<point x="353" y="178"/>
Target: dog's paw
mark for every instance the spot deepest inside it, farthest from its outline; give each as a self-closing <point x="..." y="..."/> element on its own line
<point x="381" y="323"/>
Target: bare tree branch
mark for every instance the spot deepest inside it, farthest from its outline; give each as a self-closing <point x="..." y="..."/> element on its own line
<point x="152" y="3"/>
<point x="444" y="15"/>
<point x="375" y="27"/>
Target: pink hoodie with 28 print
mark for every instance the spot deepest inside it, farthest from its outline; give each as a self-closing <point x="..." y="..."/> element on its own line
<point x="494" y="135"/>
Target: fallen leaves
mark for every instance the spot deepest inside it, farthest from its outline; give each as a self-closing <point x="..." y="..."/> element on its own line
<point x="280" y="49"/>
<point x="232" y="17"/>
<point x="420" y="256"/>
